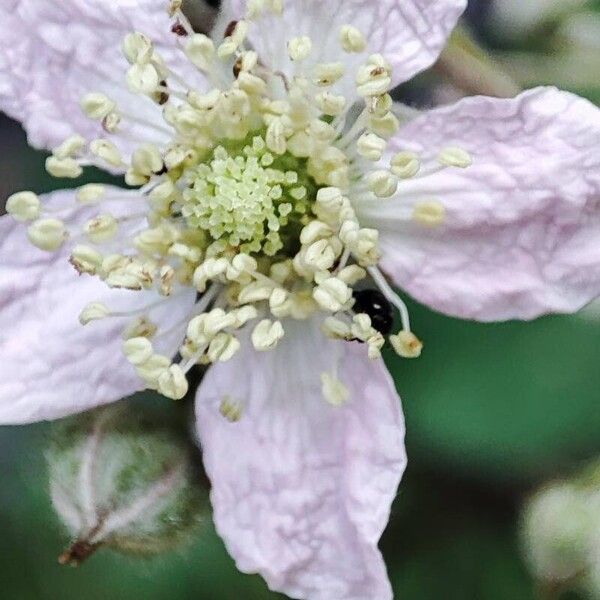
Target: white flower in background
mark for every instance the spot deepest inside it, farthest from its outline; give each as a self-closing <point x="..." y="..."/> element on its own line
<point x="274" y="182"/>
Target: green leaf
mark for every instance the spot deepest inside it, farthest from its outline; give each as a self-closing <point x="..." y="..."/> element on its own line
<point x="508" y="401"/>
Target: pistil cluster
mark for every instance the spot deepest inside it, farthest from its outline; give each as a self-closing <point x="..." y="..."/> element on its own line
<point x="251" y="204"/>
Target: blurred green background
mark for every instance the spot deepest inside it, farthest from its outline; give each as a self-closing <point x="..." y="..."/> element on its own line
<point x="492" y="412"/>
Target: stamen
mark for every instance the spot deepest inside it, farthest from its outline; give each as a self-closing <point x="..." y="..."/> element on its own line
<point x="391" y="296"/>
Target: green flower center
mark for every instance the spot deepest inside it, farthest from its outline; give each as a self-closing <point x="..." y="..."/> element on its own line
<point x="249" y="198"/>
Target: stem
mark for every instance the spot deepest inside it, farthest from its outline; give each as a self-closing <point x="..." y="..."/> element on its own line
<point x="468" y="67"/>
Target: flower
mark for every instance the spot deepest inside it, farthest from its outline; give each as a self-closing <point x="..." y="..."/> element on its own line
<point x="273" y="178"/>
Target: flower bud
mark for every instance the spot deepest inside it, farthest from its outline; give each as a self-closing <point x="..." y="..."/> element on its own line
<point x="124" y="479"/>
<point x="557" y="527"/>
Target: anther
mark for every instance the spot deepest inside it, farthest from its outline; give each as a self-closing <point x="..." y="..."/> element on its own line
<point x="332" y="294"/>
<point x="23" y="206"/>
<point x="351" y="39"/>
<point x="330" y="104"/>
<point x="455" y="157"/>
<point x="102" y="228"/>
<point x="63" y="167"/>
<point x="374" y="78"/>
<point x="406" y="344"/>
<point x="223" y="347"/>
<point x="430" y="213"/>
<point x="107" y="151"/>
<point x="326" y="74"/>
<point x="370" y="146"/>
<point x="137" y="48"/>
<point x="85" y="259"/>
<point x="382" y="183"/>
<point x="137" y="350"/>
<point x="200" y="49"/>
<point x="97" y="106"/>
<point x="47" y="234"/>
<point x="405" y="164"/>
<point x="92" y="312"/>
<point x="266" y="335"/>
<point x="143" y="78"/>
<point x="334" y="391"/>
<point x="172" y="383"/>
<point x="299" y="48"/>
<point x="231" y="410"/>
<point x="70" y="147"/>
<point x="90" y="193"/>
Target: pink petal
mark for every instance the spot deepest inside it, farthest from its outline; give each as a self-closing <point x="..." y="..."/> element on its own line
<point x="301" y="489"/>
<point x="409" y="33"/>
<point x="522" y="230"/>
<point x="50" y="365"/>
<point x="53" y="53"/>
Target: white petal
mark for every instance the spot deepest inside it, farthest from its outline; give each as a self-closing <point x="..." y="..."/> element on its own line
<point x="51" y="365"/>
<point x="520" y="236"/>
<point x="302" y="489"/>
<point x="53" y="53"/>
<point x="409" y="33"/>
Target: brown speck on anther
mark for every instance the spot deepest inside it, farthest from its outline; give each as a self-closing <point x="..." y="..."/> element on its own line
<point x="230" y="28"/>
<point x="237" y="67"/>
<point x="179" y="29"/>
<point x="162" y="97"/>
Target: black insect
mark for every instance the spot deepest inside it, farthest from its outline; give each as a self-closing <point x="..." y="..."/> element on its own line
<point x="374" y="303"/>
